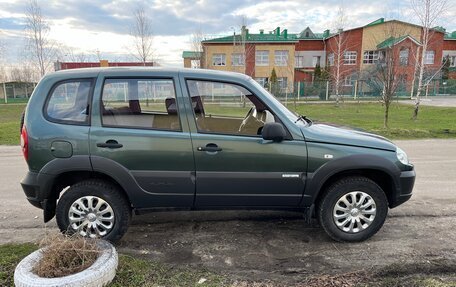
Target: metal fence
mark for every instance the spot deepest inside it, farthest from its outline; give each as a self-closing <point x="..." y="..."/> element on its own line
<point x="361" y="89"/>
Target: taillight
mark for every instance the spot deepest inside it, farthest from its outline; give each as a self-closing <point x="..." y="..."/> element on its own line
<point x="24" y="143"/>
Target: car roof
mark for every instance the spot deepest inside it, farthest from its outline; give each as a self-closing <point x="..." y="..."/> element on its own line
<point x="127" y="71"/>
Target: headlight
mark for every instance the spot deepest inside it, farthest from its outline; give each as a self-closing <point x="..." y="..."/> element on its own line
<point x="402" y="156"/>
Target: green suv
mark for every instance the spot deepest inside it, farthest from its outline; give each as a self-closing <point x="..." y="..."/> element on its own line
<point x="103" y="143"/>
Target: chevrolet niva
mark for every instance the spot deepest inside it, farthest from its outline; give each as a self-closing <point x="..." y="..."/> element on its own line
<point x="103" y="143"/>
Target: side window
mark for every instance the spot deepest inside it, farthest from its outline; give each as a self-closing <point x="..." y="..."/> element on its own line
<point x="69" y="102"/>
<point x="224" y="108"/>
<point x="140" y="103"/>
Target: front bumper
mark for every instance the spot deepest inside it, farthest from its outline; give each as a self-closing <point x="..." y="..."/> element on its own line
<point x="404" y="190"/>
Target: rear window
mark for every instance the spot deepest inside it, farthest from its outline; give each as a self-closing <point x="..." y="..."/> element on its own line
<point x="70" y="102"/>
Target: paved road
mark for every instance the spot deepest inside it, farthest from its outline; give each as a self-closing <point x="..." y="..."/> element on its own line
<point x="448" y="101"/>
<point x="273" y="245"/>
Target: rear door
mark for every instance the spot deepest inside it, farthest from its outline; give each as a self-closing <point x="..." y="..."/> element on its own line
<point x="234" y="165"/>
<point x="138" y="129"/>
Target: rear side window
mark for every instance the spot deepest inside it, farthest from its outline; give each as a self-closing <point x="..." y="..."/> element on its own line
<point x="140" y="103"/>
<point x="69" y="102"/>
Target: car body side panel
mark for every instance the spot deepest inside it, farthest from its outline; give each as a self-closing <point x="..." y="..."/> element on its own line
<point x="43" y="133"/>
<point x="157" y="164"/>
<point x="249" y="171"/>
<point x="326" y="160"/>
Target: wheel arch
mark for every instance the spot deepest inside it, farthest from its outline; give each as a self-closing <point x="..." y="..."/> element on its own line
<point x="69" y="178"/>
<point x="380" y="170"/>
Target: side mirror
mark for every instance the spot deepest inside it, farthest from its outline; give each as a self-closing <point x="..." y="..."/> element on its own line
<point x="273" y="131"/>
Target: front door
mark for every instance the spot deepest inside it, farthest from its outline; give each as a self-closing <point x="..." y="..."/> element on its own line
<point x="234" y="165"/>
<point x="138" y="128"/>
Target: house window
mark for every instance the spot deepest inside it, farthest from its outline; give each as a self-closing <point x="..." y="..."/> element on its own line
<point x="281" y="58"/>
<point x="452" y="60"/>
<point x="195" y="64"/>
<point x="219" y="60"/>
<point x="403" y="57"/>
<point x="315" y="61"/>
<point x="282" y="83"/>
<point x="429" y="57"/>
<point x="349" y="80"/>
<point x="331" y="59"/>
<point x="237" y="59"/>
<point x="299" y="61"/>
<point x="262" y="58"/>
<point x="350" y="57"/>
<point x="373" y="57"/>
<point x="262" y="81"/>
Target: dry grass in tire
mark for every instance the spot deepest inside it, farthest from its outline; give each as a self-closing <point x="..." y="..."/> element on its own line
<point x="65" y="255"/>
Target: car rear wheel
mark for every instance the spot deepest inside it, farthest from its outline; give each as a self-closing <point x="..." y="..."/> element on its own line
<point x="95" y="209"/>
<point x="352" y="209"/>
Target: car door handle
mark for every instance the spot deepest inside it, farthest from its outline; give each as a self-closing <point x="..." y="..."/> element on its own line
<point x="110" y="144"/>
<point x="210" y="148"/>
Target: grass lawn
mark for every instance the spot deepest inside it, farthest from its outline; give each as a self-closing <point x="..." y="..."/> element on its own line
<point x="133" y="271"/>
<point x="433" y="122"/>
<point x="10" y="116"/>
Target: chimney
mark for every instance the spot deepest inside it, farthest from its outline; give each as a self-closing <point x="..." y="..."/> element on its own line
<point x="261" y="31"/>
<point x="277" y="31"/>
<point x="326" y="34"/>
<point x="285" y="33"/>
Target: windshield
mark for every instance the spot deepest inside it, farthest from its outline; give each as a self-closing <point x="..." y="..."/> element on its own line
<point x="292" y="116"/>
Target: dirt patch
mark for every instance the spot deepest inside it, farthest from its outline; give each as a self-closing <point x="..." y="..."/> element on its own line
<point x="281" y="247"/>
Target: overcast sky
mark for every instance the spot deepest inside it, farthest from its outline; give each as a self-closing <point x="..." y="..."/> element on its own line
<point x="94" y="25"/>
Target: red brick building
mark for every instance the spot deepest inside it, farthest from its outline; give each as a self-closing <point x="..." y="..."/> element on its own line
<point x="349" y="53"/>
<point x="103" y="63"/>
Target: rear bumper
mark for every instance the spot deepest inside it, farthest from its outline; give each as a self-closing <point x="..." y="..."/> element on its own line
<point x="404" y="191"/>
<point x="36" y="187"/>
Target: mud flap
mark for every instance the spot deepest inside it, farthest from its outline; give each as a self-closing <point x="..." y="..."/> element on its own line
<point x="49" y="206"/>
<point x="309" y="214"/>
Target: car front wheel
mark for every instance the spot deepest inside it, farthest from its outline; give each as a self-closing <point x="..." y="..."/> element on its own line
<point x="95" y="209"/>
<point x="352" y="209"/>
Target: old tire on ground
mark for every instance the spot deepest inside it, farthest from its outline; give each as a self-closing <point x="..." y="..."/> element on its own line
<point x="352" y="209"/>
<point x="102" y="271"/>
<point x="94" y="208"/>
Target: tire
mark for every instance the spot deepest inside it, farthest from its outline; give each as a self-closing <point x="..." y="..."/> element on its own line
<point x="362" y="219"/>
<point x="112" y="217"/>
<point x="100" y="273"/>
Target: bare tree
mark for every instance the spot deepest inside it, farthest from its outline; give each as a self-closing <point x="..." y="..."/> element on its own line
<point x="389" y="73"/>
<point x="338" y="48"/>
<point x="42" y="49"/>
<point x="2" y="51"/>
<point x="2" y="61"/>
<point x="196" y="45"/>
<point x="141" y="31"/>
<point x="427" y="11"/>
<point x="243" y="46"/>
<point x="69" y="54"/>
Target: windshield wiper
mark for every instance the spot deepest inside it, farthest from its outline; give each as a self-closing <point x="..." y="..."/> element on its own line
<point x="304" y="118"/>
